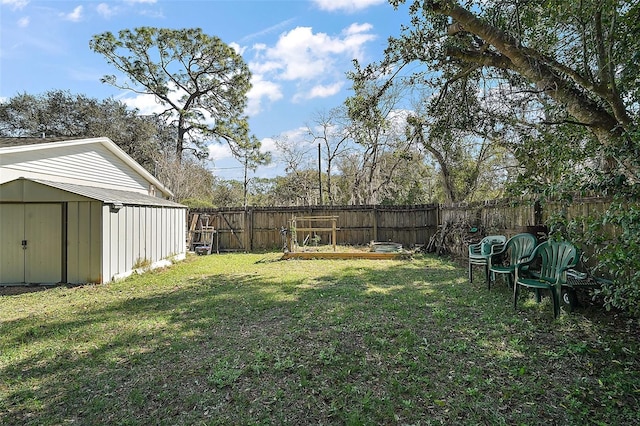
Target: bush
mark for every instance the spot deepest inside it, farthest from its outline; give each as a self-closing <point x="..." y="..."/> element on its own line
<point x="610" y="242"/>
<point x="196" y="203"/>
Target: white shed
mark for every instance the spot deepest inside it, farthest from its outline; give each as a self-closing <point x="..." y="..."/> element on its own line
<point x="81" y="211"/>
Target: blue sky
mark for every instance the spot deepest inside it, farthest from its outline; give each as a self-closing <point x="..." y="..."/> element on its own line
<point x="298" y="52"/>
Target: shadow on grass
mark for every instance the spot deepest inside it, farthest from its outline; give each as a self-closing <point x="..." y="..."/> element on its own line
<point x="317" y="342"/>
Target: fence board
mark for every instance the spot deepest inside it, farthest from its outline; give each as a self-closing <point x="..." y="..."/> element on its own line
<point x="259" y="228"/>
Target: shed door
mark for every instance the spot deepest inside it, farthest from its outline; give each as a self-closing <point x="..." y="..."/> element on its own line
<point x="30" y="243"/>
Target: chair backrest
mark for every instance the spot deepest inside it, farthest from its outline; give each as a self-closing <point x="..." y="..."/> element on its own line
<point x="490" y="240"/>
<point x="520" y="246"/>
<point x="556" y="257"/>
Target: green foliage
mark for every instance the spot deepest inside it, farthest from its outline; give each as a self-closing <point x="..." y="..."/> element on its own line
<point x="196" y="203"/>
<point x="210" y="77"/>
<point x="59" y="113"/>
<point x="610" y="241"/>
<point x="187" y="178"/>
<point x="621" y="255"/>
<point x="553" y="82"/>
<point x="609" y="238"/>
<point x="248" y="153"/>
<point x="227" y="193"/>
<point x="553" y="160"/>
<point x="503" y="70"/>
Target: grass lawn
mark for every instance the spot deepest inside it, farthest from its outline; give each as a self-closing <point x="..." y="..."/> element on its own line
<point x="248" y="339"/>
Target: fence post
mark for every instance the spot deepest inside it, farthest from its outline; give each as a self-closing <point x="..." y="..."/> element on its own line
<point x="374" y="211"/>
<point x="248" y="220"/>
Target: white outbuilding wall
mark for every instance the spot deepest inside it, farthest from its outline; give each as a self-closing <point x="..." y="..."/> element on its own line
<point x="141" y="236"/>
<point x="82" y="211"/>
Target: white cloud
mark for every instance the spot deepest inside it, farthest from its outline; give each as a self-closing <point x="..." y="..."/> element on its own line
<point x="258" y="67"/>
<point x="296" y="141"/>
<point x="149" y="104"/>
<point x="219" y="151"/>
<point x="398" y="119"/>
<point x="24" y="22"/>
<point x="142" y="1"/>
<point x="74" y="16"/>
<point x="146" y="104"/>
<point x="261" y="89"/>
<point x="268" y="145"/>
<point x="302" y="54"/>
<point x="346" y="5"/>
<point x="298" y="136"/>
<point x="305" y="55"/>
<point x="154" y="14"/>
<point x="237" y="48"/>
<point x="105" y="10"/>
<point x="15" y="4"/>
<point x="356" y="28"/>
<point x="314" y="62"/>
<point x="321" y="91"/>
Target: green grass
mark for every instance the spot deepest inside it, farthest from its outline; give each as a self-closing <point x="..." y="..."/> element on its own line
<point x="247" y="339"/>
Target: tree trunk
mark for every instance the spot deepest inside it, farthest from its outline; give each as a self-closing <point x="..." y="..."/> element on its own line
<point x="526" y="62"/>
<point x="180" y="140"/>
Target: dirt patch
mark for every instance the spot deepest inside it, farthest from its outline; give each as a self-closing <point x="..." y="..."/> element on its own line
<point x="20" y="289"/>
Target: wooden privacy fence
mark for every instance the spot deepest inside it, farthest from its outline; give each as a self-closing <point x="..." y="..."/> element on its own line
<point x="261" y="228"/>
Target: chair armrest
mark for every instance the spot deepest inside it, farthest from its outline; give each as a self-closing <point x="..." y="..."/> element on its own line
<point x="497" y="249"/>
<point x="524" y="258"/>
<point x="562" y="276"/>
<point x="522" y="267"/>
<point x="526" y="261"/>
<point x="577" y="274"/>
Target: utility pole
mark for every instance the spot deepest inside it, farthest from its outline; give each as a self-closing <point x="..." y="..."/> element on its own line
<point x="319" y="173"/>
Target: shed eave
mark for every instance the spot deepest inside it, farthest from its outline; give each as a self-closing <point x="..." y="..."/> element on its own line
<point x="116" y="199"/>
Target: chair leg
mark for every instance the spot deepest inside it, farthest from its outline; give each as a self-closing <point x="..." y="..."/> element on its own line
<point x="556" y="302"/>
<point x="470" y="273"/>
<point x="538" y="296"/>
<point x="509" y="280"/>
<point x="515" y="296"/>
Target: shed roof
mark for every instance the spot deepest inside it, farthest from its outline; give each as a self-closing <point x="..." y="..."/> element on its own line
<point x="110" y="196"/>
<point x="8" y="145"/>
<point x="6" y="142"/>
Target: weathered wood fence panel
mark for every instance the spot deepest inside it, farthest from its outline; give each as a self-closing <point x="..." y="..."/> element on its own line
<point x="578" y="207"/>
<point x="499" y="216"/>
<point x="406" y="224"/>
<point x="259" y="228"/>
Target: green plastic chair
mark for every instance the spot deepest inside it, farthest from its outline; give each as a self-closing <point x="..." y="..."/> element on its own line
<point x="556" y="257"/>
<point x="479" y="253"/>
<point x="504" y="261"/>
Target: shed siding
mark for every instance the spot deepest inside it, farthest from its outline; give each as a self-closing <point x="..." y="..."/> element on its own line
<point x="141" y="234"/>
<point x="43" y="232"/>
<point x="136" y="232"/>
<point x="148" y="242"/>
<point x="84" y="243"/>
<point x="91" y="165"/>
<point x="109" y="253"/>
<point x="11" y="236"/>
